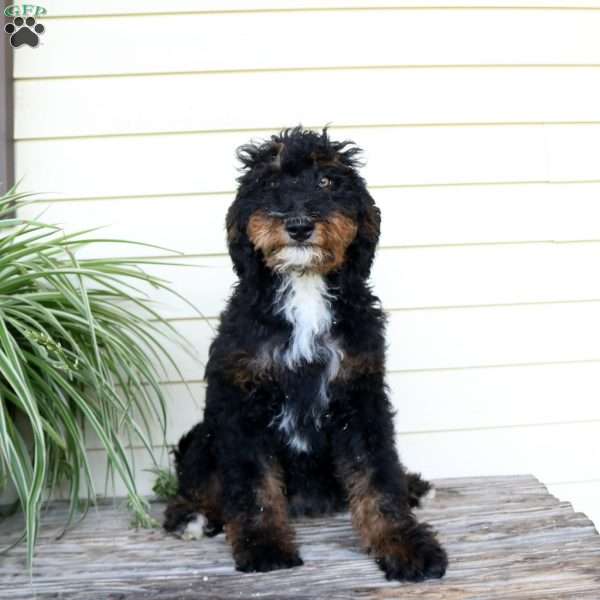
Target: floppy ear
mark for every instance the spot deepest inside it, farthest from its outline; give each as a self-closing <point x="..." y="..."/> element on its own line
<point x="245" y="258"/>
<point x="255" y="159"/>
<point x="237" y="240"/>
<point x="362" y="250"/>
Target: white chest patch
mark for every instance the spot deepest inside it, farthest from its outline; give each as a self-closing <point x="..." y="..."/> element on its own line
<point x="304" y="301"/>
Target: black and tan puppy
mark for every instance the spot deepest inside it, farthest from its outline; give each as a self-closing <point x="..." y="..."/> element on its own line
<point x="297" y="419"/>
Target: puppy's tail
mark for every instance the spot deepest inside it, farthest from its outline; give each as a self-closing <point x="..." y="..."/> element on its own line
<point x="180" y="511"/>
<point x="420" y="491"/>
<point x="183" y="447"/>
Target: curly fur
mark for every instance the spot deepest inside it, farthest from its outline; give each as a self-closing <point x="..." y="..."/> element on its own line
<point x="297" y="418"/>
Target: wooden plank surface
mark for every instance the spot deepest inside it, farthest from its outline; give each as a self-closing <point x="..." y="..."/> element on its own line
<point x="507" y="537"/>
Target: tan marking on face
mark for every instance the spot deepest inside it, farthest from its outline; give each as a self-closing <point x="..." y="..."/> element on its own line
<point x="266" y="233"/>
<point x="334" y="235"/>
<point x="327" y="246"/>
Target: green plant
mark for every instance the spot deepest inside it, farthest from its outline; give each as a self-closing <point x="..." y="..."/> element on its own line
<point x="81" y="349"/>
<point x="165" y="484"/>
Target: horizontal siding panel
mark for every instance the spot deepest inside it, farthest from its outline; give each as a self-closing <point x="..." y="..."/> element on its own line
<point x="510" y="396"/>
<point x="178" y="224"/>
<point x="450" y="400"/>
<point x="207" y="42"/>
<point x="486" y="275"/>
<point x="416" y="278"/>
<point x="206" y="283"/>
<point x="489" y="213"/>
<point x="177" y="164"/>
<point x="564" y="161"/>
<point x="424" y="339"/>
<point x="114" y="7"/>
<point x="456" y="338"/>
<point x="194" y="163"/>
<point x="370" y="97"/>
<point x="410" y="217"/>
<point x="548" y="452"/>
<point x="191" y="362"/>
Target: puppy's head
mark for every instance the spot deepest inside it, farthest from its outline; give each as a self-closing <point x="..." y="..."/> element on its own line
<point x="302" y="206"/>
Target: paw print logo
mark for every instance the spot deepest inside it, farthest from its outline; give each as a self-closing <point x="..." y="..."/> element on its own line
<point x="24" y="31"/>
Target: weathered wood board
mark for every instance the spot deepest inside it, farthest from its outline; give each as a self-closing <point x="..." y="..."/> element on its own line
<point x="506" y="537"/>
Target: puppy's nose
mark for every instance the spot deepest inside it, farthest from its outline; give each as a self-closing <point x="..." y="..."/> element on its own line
<point x="299" y="229"/>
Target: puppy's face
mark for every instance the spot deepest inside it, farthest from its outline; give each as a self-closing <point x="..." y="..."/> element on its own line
<point x="301" y="205"/>
<point x="302" y="222"/>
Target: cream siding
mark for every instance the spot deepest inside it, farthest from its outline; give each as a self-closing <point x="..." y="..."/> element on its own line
<point x="482" y="129"/>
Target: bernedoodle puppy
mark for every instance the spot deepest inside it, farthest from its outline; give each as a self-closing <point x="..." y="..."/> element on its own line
<point x="297" y="418"/>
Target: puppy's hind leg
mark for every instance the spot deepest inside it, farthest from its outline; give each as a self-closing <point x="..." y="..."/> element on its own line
<point x="196" y="518"/>
<point x="195" y="511"/>
<point x="183" y="519"/>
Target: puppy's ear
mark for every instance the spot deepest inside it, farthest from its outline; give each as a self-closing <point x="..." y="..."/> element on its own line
<point x="237" y="240"/>
<point x="265" y="154"/>
<point x="246" y="261"/>
<point x="362" y="250"/>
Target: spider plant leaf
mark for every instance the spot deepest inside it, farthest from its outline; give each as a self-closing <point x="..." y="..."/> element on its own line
<point x="82" y="353"/>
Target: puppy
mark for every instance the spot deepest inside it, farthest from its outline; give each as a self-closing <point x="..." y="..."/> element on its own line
<point x="297" y="418"/>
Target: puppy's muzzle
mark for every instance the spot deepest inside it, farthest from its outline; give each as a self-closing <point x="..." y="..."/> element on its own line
<point x="299" y="228"/>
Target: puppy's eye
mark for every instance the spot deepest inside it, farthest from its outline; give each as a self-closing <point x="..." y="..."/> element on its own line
<point x="324" y="182"/>
<point x="273" y="184"/>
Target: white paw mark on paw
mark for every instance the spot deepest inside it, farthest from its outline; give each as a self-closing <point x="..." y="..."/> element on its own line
<point x="194" y="529"/>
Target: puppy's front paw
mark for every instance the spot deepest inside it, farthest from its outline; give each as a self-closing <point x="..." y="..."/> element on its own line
<point x="413" y="555"/>
<point x="266" y="557"/>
